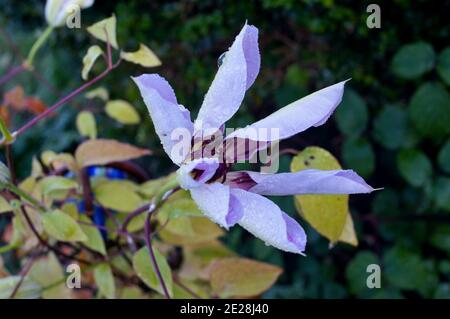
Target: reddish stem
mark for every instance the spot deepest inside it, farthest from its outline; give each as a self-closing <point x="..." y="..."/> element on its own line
<point x="148" y="241"/>
<point x="26" y="269"/>
<point x="63" y="101"/>
<point x="12" y="73"/>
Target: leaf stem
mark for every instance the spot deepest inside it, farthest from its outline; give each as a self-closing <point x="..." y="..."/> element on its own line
<point x="148" y="241"/>
<point x="10" y="163"/>
<point x="26" y="269"/>
<point x="63" y="101"/>
<point x="37" y="45"/>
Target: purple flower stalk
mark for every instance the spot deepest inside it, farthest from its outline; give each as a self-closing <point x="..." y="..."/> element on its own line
<point x="230" y="198"/>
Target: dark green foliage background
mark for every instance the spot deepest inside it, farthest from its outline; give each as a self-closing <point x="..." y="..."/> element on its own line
<point x="393" y="126"/>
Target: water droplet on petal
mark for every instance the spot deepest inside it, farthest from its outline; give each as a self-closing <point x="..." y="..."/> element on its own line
<point x="221" y="59"/>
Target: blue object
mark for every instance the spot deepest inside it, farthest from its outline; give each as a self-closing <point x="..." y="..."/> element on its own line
<point x="99" y="216"/>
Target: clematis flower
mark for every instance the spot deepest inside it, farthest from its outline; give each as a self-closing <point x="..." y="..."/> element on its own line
<point x="56" y="11"/>
<point x="229" y="197"/>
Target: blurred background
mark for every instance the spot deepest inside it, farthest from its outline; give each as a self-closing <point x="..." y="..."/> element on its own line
<point x="393" y="126"/>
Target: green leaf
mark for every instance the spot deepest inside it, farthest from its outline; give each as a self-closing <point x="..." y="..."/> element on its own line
<point x="386" y="203"/>
<point x="122" y="111"/>
<point x="104" y="280"/>
<point x="391" y="127"/>
<point x="86" y="124"/>
<point x="442" y="292"/>
<point x="414" y="166"/>
<point x="95" y="239"/>
<point x="358" y="154"/>
<point x="326" y="213"/>
<point x="441" y="193"/>
<point x="62" y="227"/>
<point x="144" y="56"/>
<point x="105" y="30"/>
<point x="89" y="59"/>
<point x="297" y="76"/>
<point x="56" y="183"/>
<point x="440" y="238"/>
<point x="443" y="158"/>
<point x="232" y="277"/>
<point x="28" y="289"/>
<point x="407" y="270"/>
<point x="356" y="272"/>
<point x="143" y="266"/>
<point x="429" y="111"/>
<point x="117" y="195"/>
<point x="413" y="60"/>
<point x="443" y="65"/>
<point x="352" y="114"/>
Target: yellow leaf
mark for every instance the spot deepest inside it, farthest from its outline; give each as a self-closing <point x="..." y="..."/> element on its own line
<point x="89" y="59"/>
<point x="22" y="231"/>
<point x="47" y="157"/>
<point x="56" y="183"/>
<point x="151" y="187"/>
<point x="199" y="288"/>
<point x="4" y="205"/>
<point x="105" y="30"/>
<point x="104" y="280"/>
<point x="71" y="209"/>
<point x="86" y="124"/>
<point x="198" y="258"/>
<point x="143" y="267"/>
<point x="184" y="224"/>
<point x="95" y="239"/>
<point x="117" y="196"/>
<point x="348" y="234"/>
<point x="202" y="230"/>
<point x="55" y="161"/>
<point x="144" y="56"/>
<point x="48" y="272"/>
<point x="132" y="292"/>
<point x="62" y="227"/>
<point x="99" y="92"/>
<point x="103" y="151"/>
<point x="122" y="111"/>
<point x="241" y="277"/>
<point x="36" y="168"/>
<point x="326" y="213"/>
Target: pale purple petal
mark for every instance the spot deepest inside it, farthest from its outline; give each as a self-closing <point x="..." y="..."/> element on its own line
<point x="265" y="220"/>
<point x="235" y="211"/>
<point x="213" y="200"/>
<point x="167" y="115"/>
<point x="207" y="166"/>
<point x="236" y="74"/>
<point x="310" y="181"/>
<point x="252" y="55"/>
<point x="312" y="110"/>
